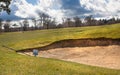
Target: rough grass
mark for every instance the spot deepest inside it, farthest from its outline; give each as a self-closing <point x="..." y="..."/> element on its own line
<point x="12" y="63"/>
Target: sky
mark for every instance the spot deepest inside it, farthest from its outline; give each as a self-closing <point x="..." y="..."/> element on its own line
<point x="59" y="9"/>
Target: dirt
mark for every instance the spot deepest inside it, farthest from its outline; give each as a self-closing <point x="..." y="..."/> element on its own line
<point x="102" y="56"/>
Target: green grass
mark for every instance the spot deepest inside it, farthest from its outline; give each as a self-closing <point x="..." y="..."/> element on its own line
<point x="12" y="63"/>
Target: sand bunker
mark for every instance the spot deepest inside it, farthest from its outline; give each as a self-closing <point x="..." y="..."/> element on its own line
<point x="103" y="56"/>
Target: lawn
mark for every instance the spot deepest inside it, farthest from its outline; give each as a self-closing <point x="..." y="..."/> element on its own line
<point x="12" y="63"/>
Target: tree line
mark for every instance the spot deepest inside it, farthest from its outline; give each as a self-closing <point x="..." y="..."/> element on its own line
<point x="47" y="22"/>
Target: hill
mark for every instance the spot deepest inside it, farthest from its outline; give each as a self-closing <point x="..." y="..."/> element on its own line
<point x="31" y="39"/>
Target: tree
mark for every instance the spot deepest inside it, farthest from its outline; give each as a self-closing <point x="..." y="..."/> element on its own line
<point x="88" y="20"/>
<point x="63" y="23"/>
<point x="68" y="21"/>
<point x="63" y="19"/>
<point x="118" y="20"/>
<point x="111" y="21"/>
<point x="45" y="20"/>
<point x="25" y="25"/>
<point x="0" y="25"/>
<point x="21" y="26"/>
<point x="4" y="5"/>
<point x="52" y="23"/>
<point x="7" y="26"/>
<point x="77" y="21"/>
<point x="35" y="22"/>
<point x="42" y="17"/>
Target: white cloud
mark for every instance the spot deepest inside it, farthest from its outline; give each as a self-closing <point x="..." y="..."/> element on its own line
<point x="24" y="9"/>
<point x="27" y="10"/>
<point x="102" y="7"/>
<point x="55" y="8"/>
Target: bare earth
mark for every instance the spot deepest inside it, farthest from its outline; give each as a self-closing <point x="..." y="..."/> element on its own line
<point x="102" y="56"/>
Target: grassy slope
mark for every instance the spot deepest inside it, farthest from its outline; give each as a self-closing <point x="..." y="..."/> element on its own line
<point x="19" y="40"/>
<point x="15" y="64"/>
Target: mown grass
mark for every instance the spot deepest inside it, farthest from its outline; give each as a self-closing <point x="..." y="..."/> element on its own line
<point x="12" y="63"/>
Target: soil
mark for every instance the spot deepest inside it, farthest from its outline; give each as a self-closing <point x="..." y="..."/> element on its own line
<point x="102" y="56"/>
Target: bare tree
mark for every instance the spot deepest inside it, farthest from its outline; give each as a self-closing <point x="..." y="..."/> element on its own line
<point x="63" y="19"/>
<point x="63" y="23"/>
<point x="0" y="25"/>
<point x="21" y="26"/>
<point x="42" y="17"/>
<point x="68" y="23"/>
<point x="35" y="23"/>
<point x="78" y="22"/>
<point x="52" y="23"/>
<point x="45" y="20"/>
<point x="89" y="20"/>
<point x="25" y="25"/>
<point x="7" y="26"/>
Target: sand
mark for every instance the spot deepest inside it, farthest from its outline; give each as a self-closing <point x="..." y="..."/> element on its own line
<point x="102" y="56"/>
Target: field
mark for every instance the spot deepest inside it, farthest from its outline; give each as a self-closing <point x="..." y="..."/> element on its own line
<point x="12" y="63"/>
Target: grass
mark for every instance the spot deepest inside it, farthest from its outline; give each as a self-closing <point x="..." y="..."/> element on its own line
<point x="19" y="40"/>
<point x="12" y="63"/>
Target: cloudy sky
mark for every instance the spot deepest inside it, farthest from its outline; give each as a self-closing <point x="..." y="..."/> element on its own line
<point x="62" y="8"/>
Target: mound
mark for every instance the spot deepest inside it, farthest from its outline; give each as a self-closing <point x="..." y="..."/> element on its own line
<point x="87" y="42"/>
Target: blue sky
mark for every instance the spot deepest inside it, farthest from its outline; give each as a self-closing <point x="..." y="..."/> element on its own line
<point x="32" y="1"/>
<point x="62" y="8"/>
